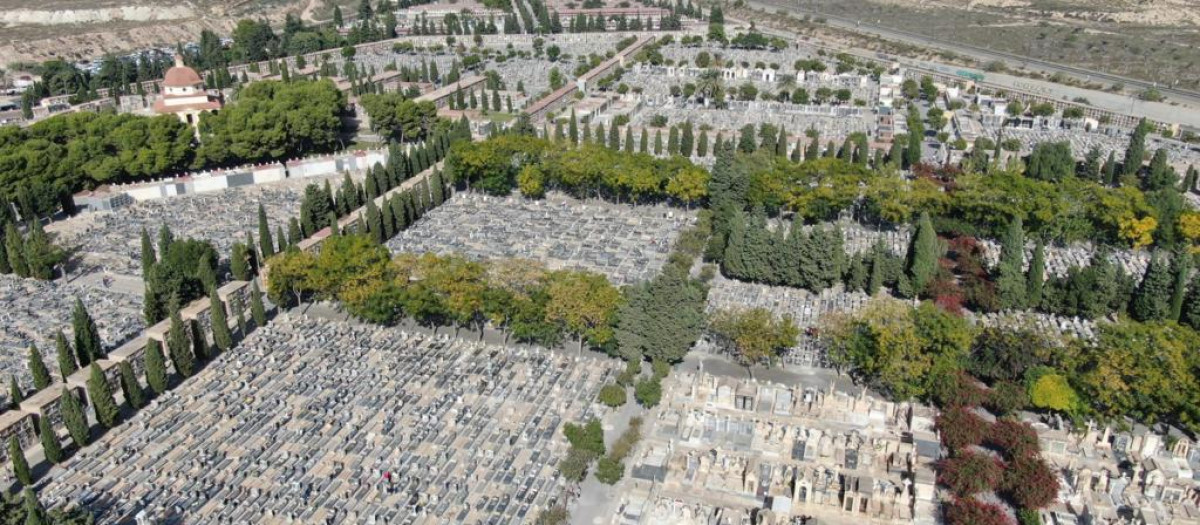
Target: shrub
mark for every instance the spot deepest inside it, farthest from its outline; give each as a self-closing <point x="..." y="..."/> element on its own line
<point x="971" y="512"/>
<point x="1007" y="397"/>
<point x="1029" y="483"/>
<point x="1013" y="438"/>
<point x="612" y="396"/>
<point x="970" y="473"/>
<point x="960" y="428"/>
<point x="588" y="438"/>
<point x="660" y="368"/>
<point x="648" y="392"/>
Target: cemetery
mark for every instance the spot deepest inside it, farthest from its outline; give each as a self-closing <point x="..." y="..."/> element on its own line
<point x="627" y="244"/>
<point x="318" y="421"/>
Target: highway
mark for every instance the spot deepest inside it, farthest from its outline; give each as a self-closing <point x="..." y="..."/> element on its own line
<point x="979" y="53"/>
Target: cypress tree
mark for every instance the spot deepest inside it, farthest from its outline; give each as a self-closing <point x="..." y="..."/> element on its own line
<point x="239" y="315"/>
<point x="389" y="220"/>
<point x="74" y="419"/>
<point x="587" y="134"/>
<point x="14" y="247"/>
<point x="628" y="145"/>
<point x="103" y="403"/>
<point x="266" y="246"/>
<point x="1110" y="170"/>
<point x="573" y="129"/>
<point x="4" y="266"/>
<point x="878" y="260"/>
<point x="643" y="142"/>
<point x="375" y="222"/>
<point x="200" y="347"/>
<point x="34" y="514"/>
<point x="19" y="463"/>
<point x="334" y="230"/>
<point x="1182" y="267"/>
<point x="1191" y="304"/>
<point x="283" y="240"/>
<point x="923" y="255"/>
<point x="294" y="233"/>
<point x="257" y="311"/>
<point x="87" y="335"/>
<point x="239" y="262"/>
<point x="687" y="140"/>
<point x="149" y="259"/>
<point x="1151" y="302"/>
<point x="673" y="141"/>
<point x="559" y="134"/>
<point x="614" y="138"/>
<point x="178" y="346"/>
<point x="37" y="369"/>
<point x="814" y="147"/>
<point x="1037" y="274"/>
<point x="1135" y="153"/>
<point x="600" y="136"/>
<point x="797" y="151"/>
<point x="51" y="446"/>
<point x="39" y="254"/>
<point x="15" y="395"/>
<point x="66" y="357"/>
<point x="156" y="367"/>
<point x="1011" y="283"/>
<point x="165" y="239"/>
<point x="396" y="204"/>
<point x="220" y="322"/>
<point x="658" y="145"/>
<point x="781" y="142"/>
<point x="702" y="144"/>
<point x="130" y="386"/>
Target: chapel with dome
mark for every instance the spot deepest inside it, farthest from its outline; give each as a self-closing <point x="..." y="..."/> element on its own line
<point x="184" y="96"/>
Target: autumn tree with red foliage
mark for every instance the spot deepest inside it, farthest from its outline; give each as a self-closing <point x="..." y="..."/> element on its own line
<point x="970" y="473"/>
<point x="1029" y="483"/>
<point x="960" y="428"/>
<point x="1013" y="438"/>
<point x="968" y="511"/>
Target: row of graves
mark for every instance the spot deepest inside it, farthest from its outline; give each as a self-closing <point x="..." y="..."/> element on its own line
<point x="735" y="450"/>
<point x="110" y="242"/>
<point x="1121" y="473"/>
<point x="627" y="244"/>
<point x="316" y="421"/>
<point x="33" y="311"/>
<point x="1179" y="154"/>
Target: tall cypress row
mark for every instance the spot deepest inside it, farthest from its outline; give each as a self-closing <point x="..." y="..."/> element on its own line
<point x="37" y="369"/>
<point x="74" y="419"/>
<point x="156" y="367"/>
<point x="101" y="395"/>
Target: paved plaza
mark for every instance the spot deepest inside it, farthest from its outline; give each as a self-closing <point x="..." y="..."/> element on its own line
<point x="313" y="421"/>
<point x="628" y="244"/>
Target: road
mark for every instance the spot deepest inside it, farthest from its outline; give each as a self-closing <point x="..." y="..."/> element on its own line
<point x="976" y="52"/>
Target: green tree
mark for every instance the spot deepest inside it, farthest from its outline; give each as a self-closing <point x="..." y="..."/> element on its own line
<point x="156" y="367"/>
<point x="1136" y="151"/>
<point x="130" y="387"/>
<point x="37" y="369"/>
<point x="51" y="446"/>
<point x="178" y="345"/>
<point x="19" y="463"/>
<point x="149" y="258"/>
<point x="101" y="395"/>
<point x="222" y="337"/>
<point x="1151" y="302"/>
<point x="1051" y="391"/>
<point x="923" y="255"/>
<point x="16" y="396"/>
<point x="1181" y="268"/>
<point x="74" y="419"/>
<point x="265" y="243"/>
<point x="1011" y="283"/>
<point x="754" y="335"/>
<point x="257" y="311"/>
<point x="66" y="357"/>
<point x="648" y="392"/>
<point x="661" y="319"/>
<point x="1037" y="274"/>
<point x="14" y="247"/>
<point x="87" y="335"/>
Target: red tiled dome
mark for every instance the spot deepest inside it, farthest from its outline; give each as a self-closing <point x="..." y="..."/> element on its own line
<point x="181" y="76"/>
